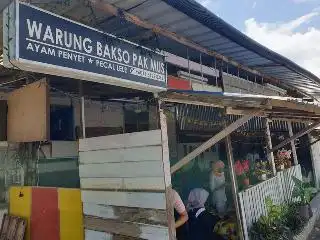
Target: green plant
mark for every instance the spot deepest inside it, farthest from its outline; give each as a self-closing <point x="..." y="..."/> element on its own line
<point x="292" y="219"/>
<point x="275" y="231"/>
<point x="302" y="190"/>
<point x="271" y="226"/>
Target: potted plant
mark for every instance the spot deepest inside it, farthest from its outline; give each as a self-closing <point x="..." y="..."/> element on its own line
<point x="242" y="169"/>
<point x="261" y="170"/>
<point x="303" y="191"/>
<point x="283" y="159"/>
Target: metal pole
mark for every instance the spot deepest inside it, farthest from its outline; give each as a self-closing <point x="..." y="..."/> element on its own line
<point x="270" y="155"/>
<point x="293" y="146"/>
<point x="234" y="184"/>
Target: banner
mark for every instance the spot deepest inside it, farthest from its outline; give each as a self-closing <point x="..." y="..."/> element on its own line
<point x="39" y="41"/>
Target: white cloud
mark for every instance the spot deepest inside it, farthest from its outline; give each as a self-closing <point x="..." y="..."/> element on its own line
<point x="302" y="47"/>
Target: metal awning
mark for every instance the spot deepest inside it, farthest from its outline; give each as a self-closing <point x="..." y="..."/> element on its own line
<point x="193" y="22"/>
<point x="242" y="104"/>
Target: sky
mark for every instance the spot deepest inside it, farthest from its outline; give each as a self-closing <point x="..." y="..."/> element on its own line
<point x="289" y="27"/>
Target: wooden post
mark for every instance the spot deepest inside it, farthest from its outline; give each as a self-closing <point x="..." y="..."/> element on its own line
<point x="167" y="174"/>
<point x="234" y="184"/>
<point x="297" y="135"/>
<point x="293" y="146"/>
<point x="313" y="154"/>
<point x="270" y="155"/>
<point x="82" y="120"/>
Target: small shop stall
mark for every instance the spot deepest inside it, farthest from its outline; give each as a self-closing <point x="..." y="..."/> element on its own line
<point x="242" y="126"/>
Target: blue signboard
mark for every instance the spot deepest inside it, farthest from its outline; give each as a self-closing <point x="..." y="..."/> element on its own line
<point x="56" y="45"/>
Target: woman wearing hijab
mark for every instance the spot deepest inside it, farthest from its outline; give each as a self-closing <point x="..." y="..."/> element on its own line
<point x="201" y="222"/>
<point x="218" y="187"/>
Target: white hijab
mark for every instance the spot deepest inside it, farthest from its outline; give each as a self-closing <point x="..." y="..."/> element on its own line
<point x="197" y="198"/>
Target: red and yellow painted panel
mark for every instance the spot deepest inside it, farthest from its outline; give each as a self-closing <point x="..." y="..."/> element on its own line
<point x="52" y="213"/>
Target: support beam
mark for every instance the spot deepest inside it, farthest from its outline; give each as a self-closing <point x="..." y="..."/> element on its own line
<point x="293" y="146"/>
<point x="297" y="135"/>
<point x="216" y="138"/>
<point x="234" y="184"/>
<point x="82" y="116"/>
<point x="111" y="9"/>
<point x="269" y="146"/>
<point x="167" y="175"/>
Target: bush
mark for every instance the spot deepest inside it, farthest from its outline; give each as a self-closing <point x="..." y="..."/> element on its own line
<point x="280" y="223"/>
<point x="293" y="220"/>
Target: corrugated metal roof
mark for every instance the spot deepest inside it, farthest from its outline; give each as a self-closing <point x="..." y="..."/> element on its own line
<point x="208" y="120"/>
<point x="236" y="103"/>
<point x="191" y="20"/>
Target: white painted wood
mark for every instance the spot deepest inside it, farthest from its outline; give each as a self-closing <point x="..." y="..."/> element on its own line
<point x="64" y="149"/>
<point x="143" y="183"/>
<point x="127" y="228"/>
<point x="165" y="148"/>
<point x="129" y="140"/>
<point x="124" y="169"/>
<point x="148" y="153"/>
<point x="101" y="183"/>
<point x="278" y="188"/>
<point x="315" y="156"/>
<point x="154" y="232"/>
<point x="125" y="199"/>
<point x="95" y="235"/>
<point x="102" y="211"/>
<point x="269" y="145"/>
<point x="293" y="145"/>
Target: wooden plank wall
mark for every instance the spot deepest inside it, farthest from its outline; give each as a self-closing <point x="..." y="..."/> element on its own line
<point x="123" y="186"/>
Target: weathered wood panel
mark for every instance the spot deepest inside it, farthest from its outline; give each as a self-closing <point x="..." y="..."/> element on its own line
<point x="125" y="199"/>
<point x="28" y="113"/>
<point x="95" y="235"/>
<point x="139" y="183"/>
<point x="147" y="216"/>
<point x="148" y="153"/>
<point x="139" y="139"/>
<point x="137" y="230"/>
<point x="124" y="186"/>
<point x="123" y="169"/>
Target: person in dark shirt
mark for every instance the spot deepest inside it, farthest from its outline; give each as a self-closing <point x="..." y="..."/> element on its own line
<point x="201" y="223"/>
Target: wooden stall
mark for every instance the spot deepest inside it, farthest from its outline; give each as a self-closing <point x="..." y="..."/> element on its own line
<point x="123" y="186"/>
<point x="245" y="107"/>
